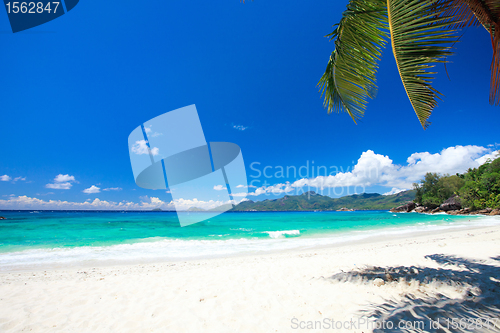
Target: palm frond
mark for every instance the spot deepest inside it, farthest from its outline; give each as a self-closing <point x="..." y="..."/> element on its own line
<point x="493" y="18"/>
<point x="462" y="14"/>
<point x="350" y="76"/>
<point x="485" y="13"/>
<point x="419" y="41"/>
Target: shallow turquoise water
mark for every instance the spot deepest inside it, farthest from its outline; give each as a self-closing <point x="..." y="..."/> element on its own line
<point x="24" y="230"/>
<point x="57" y="237"/>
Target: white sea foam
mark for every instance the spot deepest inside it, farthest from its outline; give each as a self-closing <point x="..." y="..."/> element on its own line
<point x="159" y="248"/>
<point x="282" y="233"/>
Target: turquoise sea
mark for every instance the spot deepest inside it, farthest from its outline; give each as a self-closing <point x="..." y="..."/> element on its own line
<point x="44" y="238"/>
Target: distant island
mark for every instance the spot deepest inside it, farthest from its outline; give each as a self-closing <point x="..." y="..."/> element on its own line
<point x="312" y="201"/>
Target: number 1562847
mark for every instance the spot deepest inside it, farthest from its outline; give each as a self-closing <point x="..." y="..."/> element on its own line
<point x="31" y="7"/>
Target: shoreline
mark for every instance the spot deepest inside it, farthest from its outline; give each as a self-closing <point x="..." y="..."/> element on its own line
<point x="280" y="245"/>
<point x="382" y="240"/>
<point x="248" y="293"/>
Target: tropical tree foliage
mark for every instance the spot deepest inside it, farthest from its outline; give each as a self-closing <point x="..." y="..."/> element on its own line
<point x="435" y="189"/>
<point x="478" y="188"/>
<point x="482" y="186"/>
<point x="421" y="33"/>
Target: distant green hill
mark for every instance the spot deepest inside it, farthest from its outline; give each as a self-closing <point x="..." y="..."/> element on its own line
<point x="311" y="201"/>
<point x="222" y="208"/>
<point x="195" y="209"/>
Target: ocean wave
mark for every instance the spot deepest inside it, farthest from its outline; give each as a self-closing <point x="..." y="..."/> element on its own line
<point x="164" y="249"/>
<point x="282" y="233"/>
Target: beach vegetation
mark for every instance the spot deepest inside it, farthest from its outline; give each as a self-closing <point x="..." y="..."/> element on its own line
<point x="478" y="188"/>
<point x="434" y="189"/>
<point x="482" y="186"/>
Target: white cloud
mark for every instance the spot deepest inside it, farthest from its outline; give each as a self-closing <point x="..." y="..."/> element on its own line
<point x="185" y="204"/>
<point x="246" y="186"/>
<point x="141" y="148"/>
<point x="60" y="178"/>
<point x="240" y="127"/>
<point x="92" y="189"/>
<point x="48" y="193"/>
<point x="62" y="182"/>
<point x="5" y="178"/>
<point x="113" y="189"/>
<point x="151" y="133"/>
<point x="25" y="202"/>
<point x="485" y="158"/>
<point x="219" y="187"/>
<point x="367" y="171"/>
<point x="148" y="203"/>
<point x="273" y="189"/>
<point x="375" y="169"/>
<point x="59" y="186"/>
<point x="394" y="191"/>
<point x="156" y="201"/>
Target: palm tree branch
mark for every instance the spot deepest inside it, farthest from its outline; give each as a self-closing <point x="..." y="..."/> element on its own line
<point x="350" y="76"/>
<point x="419" y="40"/>
<point x="472" y="12"/>
<point x="485" y="13"/>
<point x="493" y="11"/>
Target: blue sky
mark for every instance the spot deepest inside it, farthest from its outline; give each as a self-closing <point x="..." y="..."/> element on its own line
<point x="73" y="89"/>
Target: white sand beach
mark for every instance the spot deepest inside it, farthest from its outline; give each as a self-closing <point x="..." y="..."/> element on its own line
<point x="454" y="275"/>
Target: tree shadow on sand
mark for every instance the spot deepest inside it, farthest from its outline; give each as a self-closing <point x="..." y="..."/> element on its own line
<point x="475" y="307"/>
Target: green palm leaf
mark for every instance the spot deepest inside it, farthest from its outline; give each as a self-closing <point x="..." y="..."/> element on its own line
<point x="350" y="76"/>
<point x="419" y="41"/>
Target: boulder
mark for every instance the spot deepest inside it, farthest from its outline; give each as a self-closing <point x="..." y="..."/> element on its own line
<point x="495" y="212"/>
<point x="378" y="282"/>
<point x="420" y="209"/>
<point x="408" y="207"/>
<point x="463" y="211"/>
<point x="436" y="210"/>
<point x="452" y="203"/>
<point x="485" y="211"/>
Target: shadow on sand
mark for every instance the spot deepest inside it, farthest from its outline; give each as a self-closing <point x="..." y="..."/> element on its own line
<point x="477" y="309"/>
